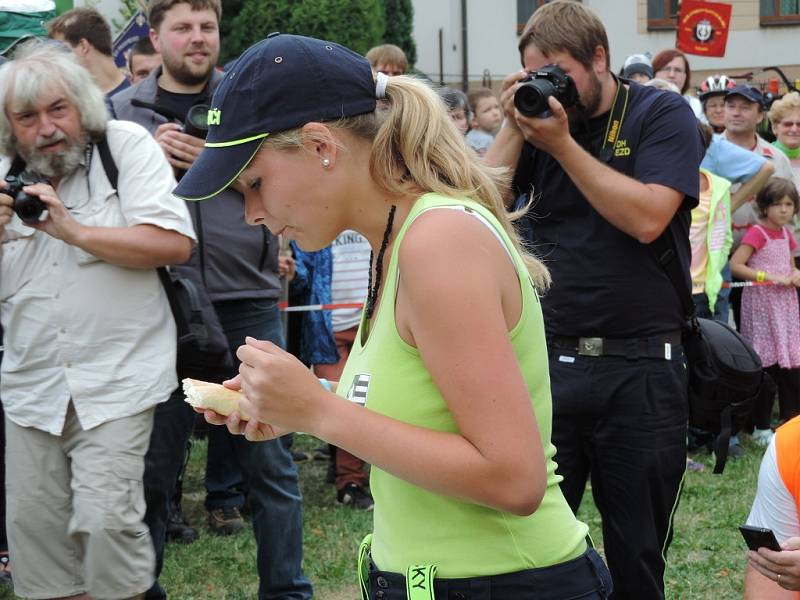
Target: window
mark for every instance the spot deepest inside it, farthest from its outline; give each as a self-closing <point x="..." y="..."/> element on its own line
<point x="525" y="9"/>
<point x="662" y="14"/>
<point x="780" y="12"/>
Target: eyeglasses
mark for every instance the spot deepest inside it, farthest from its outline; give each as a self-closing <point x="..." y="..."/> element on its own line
<point x="672" y="70"/>
<point x="789" y="124"/>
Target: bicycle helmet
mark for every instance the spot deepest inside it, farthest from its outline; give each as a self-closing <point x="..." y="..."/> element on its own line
<point x="716" y="85"/>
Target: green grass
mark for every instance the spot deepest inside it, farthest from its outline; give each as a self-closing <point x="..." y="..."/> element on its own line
<point x="706" y="559"/>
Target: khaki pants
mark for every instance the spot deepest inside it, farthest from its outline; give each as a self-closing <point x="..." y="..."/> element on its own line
<point x="75" y="509"/>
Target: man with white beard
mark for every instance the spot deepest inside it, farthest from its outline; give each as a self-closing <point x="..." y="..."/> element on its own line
<point x="89" y="337"/>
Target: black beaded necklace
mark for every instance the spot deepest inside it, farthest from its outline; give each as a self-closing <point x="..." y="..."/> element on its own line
<point x="372" y="296"/>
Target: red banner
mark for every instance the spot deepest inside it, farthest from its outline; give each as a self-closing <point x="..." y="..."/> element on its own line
<point x="703" y="27"/>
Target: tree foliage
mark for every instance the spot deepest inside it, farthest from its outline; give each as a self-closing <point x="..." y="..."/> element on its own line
<point x="357" y="24"/>
<point x="399" y="17"/>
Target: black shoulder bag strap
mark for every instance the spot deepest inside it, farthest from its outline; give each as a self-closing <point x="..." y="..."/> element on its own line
<point x="667" y="256"/>
<point x="112" y="173"/>
<point x="17" y="167"/>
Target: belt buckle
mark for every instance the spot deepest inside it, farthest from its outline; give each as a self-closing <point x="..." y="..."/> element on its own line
<point x="592" y="346"/>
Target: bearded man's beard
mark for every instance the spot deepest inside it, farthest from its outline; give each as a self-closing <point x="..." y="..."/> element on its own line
<point x="54" y="164"/>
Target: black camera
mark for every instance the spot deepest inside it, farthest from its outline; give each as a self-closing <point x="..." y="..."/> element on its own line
<point x="27" y="206"/>
<point x="531" y="96"/>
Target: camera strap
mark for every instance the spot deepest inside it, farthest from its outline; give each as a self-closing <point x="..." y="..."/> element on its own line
<point x="17" y="166"/>
<point x="614" y="121"/>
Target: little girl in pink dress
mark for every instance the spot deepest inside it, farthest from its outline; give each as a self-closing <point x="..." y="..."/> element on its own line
<point x="770" y="319"/>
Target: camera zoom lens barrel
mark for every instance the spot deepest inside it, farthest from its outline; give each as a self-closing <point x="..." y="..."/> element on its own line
<point x="28" y="208"/>
<point x="531" y="97"/>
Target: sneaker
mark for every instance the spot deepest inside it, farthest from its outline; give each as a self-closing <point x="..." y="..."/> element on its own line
<point x="356" y="496"/>
<point x="762" y="437"/>
<point x="694" y="466"/>
<point x="225" y="521"/>
<point x="735" y="451"/>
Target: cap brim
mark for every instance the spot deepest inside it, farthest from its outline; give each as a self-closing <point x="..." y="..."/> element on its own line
<point x="216" y="169"/>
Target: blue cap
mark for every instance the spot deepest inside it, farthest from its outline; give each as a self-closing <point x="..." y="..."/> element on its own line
<point x="278" y="84"/>
<point x="748" y="92"/>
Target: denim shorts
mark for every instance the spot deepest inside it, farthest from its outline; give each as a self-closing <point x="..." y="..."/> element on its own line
<point x="585" y="577"/>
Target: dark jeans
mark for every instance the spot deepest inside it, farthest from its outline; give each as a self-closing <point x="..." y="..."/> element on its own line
<point x="585" y="577"/>
<point x="787" y="382"/>
<point x="623" y="422"/>
<point x="172" y="426"/>
<point x="269" y="472"/>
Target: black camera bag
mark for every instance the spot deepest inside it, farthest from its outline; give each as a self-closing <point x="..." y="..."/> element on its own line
<point x="725" y="373"/>
<point x="202" y="345"/>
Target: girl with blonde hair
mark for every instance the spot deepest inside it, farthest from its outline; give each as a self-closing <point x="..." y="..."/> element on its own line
<point x="446" y="390"/>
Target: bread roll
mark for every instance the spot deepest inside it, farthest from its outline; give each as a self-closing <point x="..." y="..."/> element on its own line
<point x="202" y="394"/>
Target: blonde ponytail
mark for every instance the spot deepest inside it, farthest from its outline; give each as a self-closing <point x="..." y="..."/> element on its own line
<point x="417" y="148"/>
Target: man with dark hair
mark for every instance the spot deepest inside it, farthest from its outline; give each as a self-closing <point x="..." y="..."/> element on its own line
<point x="610" y="175"/>
<point x="240" y="268"/>
<point x="142" y="59"/>
<point x="88" y="34"/>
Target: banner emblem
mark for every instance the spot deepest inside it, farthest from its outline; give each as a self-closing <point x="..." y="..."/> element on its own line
<point x="703" y="27"/>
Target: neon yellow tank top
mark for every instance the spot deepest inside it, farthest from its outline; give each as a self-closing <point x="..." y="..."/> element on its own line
<point x="415" y="526"/>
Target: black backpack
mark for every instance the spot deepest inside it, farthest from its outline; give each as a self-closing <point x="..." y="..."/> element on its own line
<point x="725" y="373"/>
<point x="203" y="351"/>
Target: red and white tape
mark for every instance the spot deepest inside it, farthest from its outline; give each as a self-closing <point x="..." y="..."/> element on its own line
<point x="284" y="306"/>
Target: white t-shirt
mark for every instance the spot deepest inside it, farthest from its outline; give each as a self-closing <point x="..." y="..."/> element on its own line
<point x="350" y="277"/>
<point x="774" y="507"/>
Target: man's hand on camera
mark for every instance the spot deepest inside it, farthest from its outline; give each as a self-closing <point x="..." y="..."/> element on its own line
<point x="59" y="223"/>
<point x="507" y="90"/>
<point x="6" y="212"/>
<point x="550" y="134"/>
<point x="180" y="148"/>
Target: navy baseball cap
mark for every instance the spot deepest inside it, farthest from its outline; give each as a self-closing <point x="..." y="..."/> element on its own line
<point x="278" y="84"/>
<point x="748" y="92"/>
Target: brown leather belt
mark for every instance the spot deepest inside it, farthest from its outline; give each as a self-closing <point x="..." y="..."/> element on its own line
<point x="663" y="346"/>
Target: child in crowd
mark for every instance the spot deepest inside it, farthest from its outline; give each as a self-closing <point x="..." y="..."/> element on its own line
<point x="458" y="107"/>
<point x="770" y="312"/>
<point x="388" y="59"/>
<point x="486" y="119"/>
<point x="337" y="274"/>
<point x="711" y="240"/>
<point x="638" y="68"/>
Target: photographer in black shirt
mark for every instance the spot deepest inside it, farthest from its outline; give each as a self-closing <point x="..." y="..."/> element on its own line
<point x="608" y="175"/>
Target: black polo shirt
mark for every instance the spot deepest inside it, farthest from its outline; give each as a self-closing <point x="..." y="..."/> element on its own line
<point x="605" y="282"/>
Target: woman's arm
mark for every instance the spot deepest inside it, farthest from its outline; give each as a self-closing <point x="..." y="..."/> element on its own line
<point x="459" y="319"/>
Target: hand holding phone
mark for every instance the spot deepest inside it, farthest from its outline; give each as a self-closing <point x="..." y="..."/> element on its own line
<point x="759" y="537"/>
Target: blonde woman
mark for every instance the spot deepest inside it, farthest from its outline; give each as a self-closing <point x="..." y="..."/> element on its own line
<point x="446" y="391"/>
<point x="785" y="118"/>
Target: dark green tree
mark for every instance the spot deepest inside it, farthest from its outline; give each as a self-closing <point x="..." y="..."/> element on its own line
<point x="357" y="24"/>
<point x="399" y="17"/>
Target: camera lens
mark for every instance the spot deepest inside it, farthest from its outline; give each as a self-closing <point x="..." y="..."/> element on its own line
<point x="531" y="97"/>
<point x="28" y="208"/>
<point x="197" y="120"/>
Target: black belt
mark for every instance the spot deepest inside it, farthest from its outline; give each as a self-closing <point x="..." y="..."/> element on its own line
<point x="663" y="345"/>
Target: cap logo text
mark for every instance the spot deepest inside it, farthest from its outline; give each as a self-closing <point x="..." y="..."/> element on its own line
<point x="214" y="116"/>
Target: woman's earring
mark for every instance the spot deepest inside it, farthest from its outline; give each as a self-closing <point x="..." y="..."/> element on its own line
<point x="326" y="162"/>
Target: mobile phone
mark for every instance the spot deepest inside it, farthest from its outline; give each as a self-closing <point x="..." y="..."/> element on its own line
<point x="759" y="537"/>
